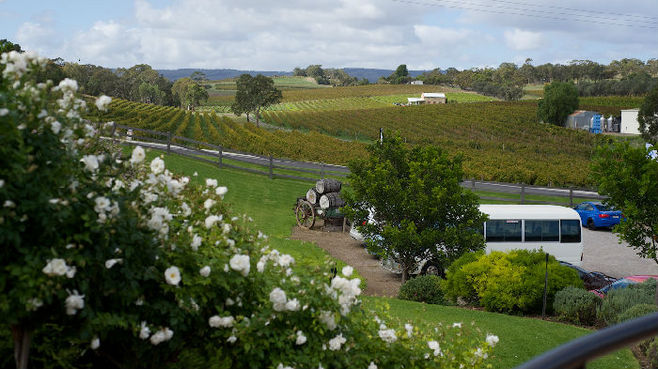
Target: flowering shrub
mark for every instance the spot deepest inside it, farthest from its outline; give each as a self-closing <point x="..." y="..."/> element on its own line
<point x="139" y="268"/>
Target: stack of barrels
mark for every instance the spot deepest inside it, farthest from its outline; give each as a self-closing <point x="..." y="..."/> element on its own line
<point x="326" y="193"/>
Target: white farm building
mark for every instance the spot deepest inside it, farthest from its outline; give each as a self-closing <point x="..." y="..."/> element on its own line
<point x="629" y="123"/>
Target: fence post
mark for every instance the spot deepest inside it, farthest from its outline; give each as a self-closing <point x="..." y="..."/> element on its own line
<point x="271" y="166"/>
<point x="571" y="197"/>
<point x="522" y="194"/>
<point x="114" y="130"/>
<point x="169" y="142"/>
<point x="220" y="154"/>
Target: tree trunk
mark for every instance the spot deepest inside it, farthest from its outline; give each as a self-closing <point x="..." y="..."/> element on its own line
<point x="257" y="116"/>
<point x="405" y="274"/>
<point x="22" y="341"/>
<point x="247" y="116"/>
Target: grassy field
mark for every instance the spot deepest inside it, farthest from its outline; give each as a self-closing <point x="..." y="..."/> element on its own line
<point x="269" y="203"/>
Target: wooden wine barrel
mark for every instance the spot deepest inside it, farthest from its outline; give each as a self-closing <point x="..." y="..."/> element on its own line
<point x="327" y="185"/>
<point x="331" y="200"/>
<point x="312" y="196"/>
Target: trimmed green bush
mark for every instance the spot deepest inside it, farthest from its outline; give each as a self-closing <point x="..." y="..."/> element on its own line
<point x="637" y="311"/>
<point x="424" y="288"/>
<point x="652" y="353"/>
<point x="619" y="301"/>
<point x="512" y="282"/>
<point x="576" y="305"/>
<point x="456" y="283"/>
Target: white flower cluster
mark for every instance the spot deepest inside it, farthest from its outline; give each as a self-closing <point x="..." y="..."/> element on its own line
<point x="105" y="208"/>
<point x="336" y="342"/>
<point x="138" y="155"/>
<point x="278" y="299"/>
<point x="434" y="346"/>
<point x="159" y="220"/>
<point x="328" y="318"/>
<point x="349" y="290"/>
<point x="221" y="322"/>
<point x="102" y="102"/>
<point x="58" y="267"/>
<point x="162" y="335"/>
<point x="301" y="339"/>
<point x="16" y="64"/>
<point x="492" y="340"/>
<point x="387" y="335"/>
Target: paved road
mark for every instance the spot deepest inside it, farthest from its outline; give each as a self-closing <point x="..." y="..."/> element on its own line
<point x="602" y="252"/>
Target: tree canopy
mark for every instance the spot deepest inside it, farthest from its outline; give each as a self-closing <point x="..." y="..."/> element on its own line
<point x="560" y="100"/>
<point x="254" y="94"/>
<point x="420" y="210"/>
<point x="189" y="93"/>
<point x="629" y="177"/>
<point x="648" y="117"/>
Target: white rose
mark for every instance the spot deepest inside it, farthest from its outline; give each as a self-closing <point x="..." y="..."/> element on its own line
<point x="221" y="191"/>
<point x="211" y="220"/>
<point x="292" y="305"/>
<point x="205" y="271"/>
<point x="231" y="339"/>
<point x="211" y="182"/>
<point x="138" y="155"/>
<point x="209" y="203"/>
<point x="55" y="267"/>
<point x="111" y="262"/>
<point x="91" y="162"/>
<point x="301" y="339"/>
<point x="347" y="270"/>
<point x="372" y="365"/>
<point x="74" y="303"/>
<point x="56" y="127"/>
<point x="157" y="166"/>
<point x="144" y="331"/>
<point x="492" y="340"/>
<point x="327" y="317"/>
<point x="95" y="343"/>
<point x="102" y="102"/>
<point x="240" y="263"/>
<point x="172" y="275"/>
<point x="278" y="299"/>
<point x="336" y="342"/>
<point x="196" y="242"/>
<point x="387" y="335"/>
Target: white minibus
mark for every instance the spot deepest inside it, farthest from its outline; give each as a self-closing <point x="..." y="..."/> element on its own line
<point x="555" y="229"/>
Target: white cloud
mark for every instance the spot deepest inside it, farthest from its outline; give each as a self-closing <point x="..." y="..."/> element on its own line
<point x="37" y="35"/>
<point x="518" y="39"/>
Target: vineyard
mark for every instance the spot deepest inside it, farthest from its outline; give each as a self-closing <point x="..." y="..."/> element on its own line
<point x="498" y="141"/>
<point x="208" y="127"/>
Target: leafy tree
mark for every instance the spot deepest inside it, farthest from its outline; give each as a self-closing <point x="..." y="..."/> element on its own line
<point x="560" y="100"/>
<point x="400" y="76"/>
<point x="648" y="117"/>
<point x="6" y="46"/>
<point x="254" y="94"/>
<point x="420" y="210"/>
<point x="629" y="177"/>
<point x="189" y="93"/>
<point x="198" y="76"/>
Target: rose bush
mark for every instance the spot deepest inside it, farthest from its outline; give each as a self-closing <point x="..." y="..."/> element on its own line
<point x="135" y="267"/>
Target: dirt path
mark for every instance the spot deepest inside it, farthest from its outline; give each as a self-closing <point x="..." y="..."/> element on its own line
<point x="380" y="282"/>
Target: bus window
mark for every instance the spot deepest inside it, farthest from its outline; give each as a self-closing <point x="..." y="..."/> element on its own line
<point x="570" y="231"/>
<point x="542" y="230"/>
<point x="503" y="231"/>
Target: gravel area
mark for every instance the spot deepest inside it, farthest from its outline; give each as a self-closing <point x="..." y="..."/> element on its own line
<point x="603" y="253"/>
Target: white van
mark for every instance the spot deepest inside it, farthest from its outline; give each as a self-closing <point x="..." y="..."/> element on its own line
<point x="555" y="229"/>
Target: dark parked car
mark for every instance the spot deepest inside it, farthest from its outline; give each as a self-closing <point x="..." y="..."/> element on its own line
<point x="591" y="280"/>
<point x="597" y="215"/>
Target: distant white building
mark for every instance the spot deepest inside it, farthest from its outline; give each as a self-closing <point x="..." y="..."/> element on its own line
<point x="415" y="101"/>
<point x="434" y="97"/>
<point x="629" y="123"/>
<point x="420" y="83"/>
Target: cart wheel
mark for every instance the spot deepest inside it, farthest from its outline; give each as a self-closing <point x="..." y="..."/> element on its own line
<point x="305" y="214"/>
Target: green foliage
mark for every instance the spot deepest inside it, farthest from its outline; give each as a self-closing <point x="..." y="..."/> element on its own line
<point x="637" y="311"/>
<point x="576" y="305"/>
<point x="629" y="177"/>
<point x="618" y="301"/>
<point x="648" y="116"/>
<point x="400" y="76"/>
<point x="421" y="211"/>
<point x="424" y="288"/>
<point x="457" y="285"/>
<point x="560" y="100"/>
<point x="189" y="93"/>
<point x="652" y="353"/>
<point x="512" y="282"/>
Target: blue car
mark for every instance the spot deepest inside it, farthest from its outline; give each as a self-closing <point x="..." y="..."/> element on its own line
<point x="596" y="215"/>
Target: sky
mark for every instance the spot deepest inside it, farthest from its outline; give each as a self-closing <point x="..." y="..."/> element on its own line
<point x="280" y="35"/>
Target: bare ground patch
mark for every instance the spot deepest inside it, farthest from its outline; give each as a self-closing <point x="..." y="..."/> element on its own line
<point x="380" y="282"/>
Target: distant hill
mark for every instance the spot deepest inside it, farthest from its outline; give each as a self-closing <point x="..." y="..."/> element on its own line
<point x="371" y="75"/>
<point x="216" y="74"/>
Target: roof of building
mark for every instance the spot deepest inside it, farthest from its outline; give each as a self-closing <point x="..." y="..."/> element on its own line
<point x="433" y="94"/>
<point x="414" y="99"/>
<point x="634" y="109"/>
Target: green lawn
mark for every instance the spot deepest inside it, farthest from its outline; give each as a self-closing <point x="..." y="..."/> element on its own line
<point x="270" y="202"/>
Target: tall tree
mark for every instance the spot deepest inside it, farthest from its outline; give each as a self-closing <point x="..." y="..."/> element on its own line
<point x="560" y="100"/>
<point x="254" y="94"/>
<point x="420" y="210"/>
<point x="648" y="117"/>
<point x="189" y="93"/>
